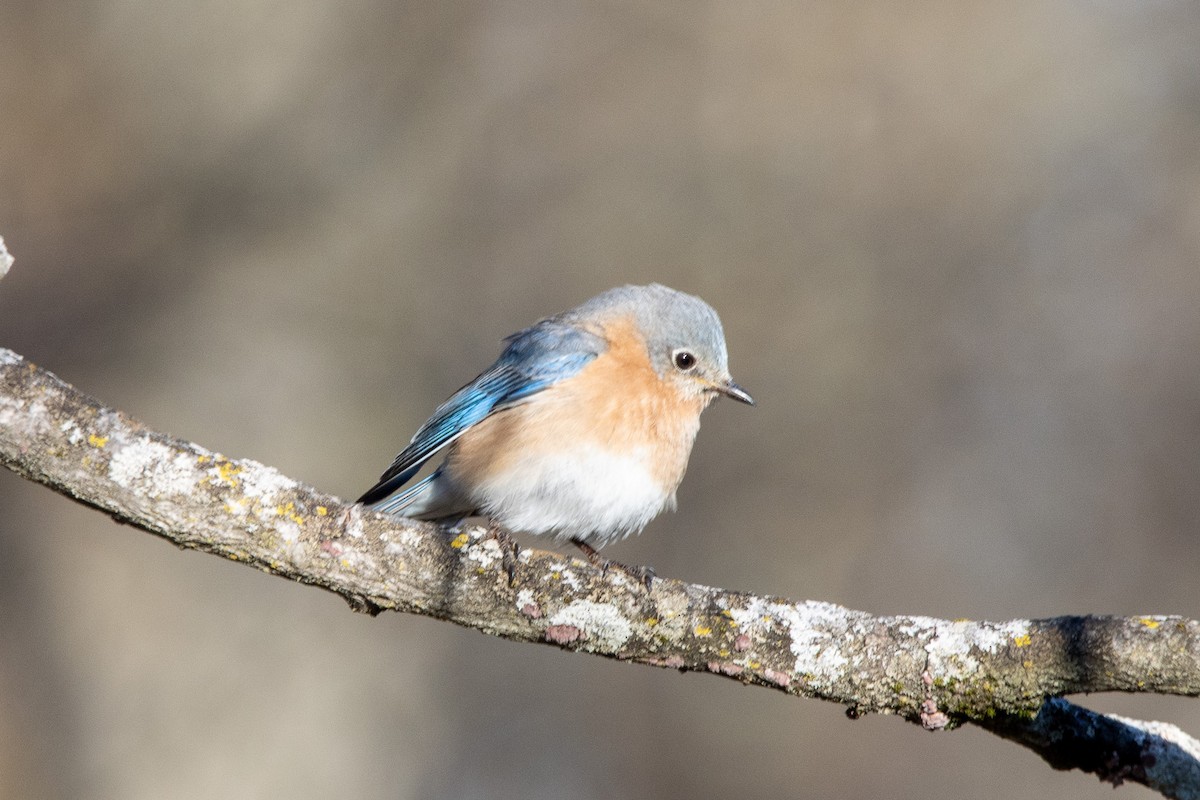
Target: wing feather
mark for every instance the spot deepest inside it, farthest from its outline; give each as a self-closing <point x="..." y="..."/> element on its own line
<point x="534" y="359"/>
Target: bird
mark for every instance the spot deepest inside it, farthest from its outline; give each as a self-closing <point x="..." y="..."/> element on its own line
<point x="581" y="430"/>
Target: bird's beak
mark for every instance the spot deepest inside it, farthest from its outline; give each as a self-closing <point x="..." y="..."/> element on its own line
<point x="731" y="389"/>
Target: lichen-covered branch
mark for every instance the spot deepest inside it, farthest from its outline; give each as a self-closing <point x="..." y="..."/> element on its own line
<point x="1113" y="748"/>
<point x="934" y="672"/>
<point x="6" y="260"/>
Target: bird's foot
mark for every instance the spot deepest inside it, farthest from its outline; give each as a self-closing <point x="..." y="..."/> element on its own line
<point x="509" y="551"/>
<point x="644" y="575"/>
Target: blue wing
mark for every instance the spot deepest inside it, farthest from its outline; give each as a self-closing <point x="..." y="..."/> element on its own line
<point x="534" y="359"/>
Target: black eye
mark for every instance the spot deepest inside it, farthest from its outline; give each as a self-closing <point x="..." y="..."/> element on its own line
<point x="683" y="359"/>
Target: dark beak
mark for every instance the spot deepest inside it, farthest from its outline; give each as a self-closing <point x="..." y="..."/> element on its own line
<point x="731" y="389"/>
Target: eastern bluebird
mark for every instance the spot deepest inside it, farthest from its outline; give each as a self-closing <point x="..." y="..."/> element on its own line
<point x="581" y="429"/>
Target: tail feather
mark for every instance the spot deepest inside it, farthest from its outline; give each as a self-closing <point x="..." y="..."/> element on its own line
<point x="398" y="502"/>
<point x="389" y="484"/>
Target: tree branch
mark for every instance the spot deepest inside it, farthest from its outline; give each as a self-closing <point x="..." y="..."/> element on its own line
<point x="1113" y="748"/>
<point x="936" y="673"/>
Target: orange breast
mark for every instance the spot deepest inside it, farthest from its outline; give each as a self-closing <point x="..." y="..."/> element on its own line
<point x="616" y="403"/>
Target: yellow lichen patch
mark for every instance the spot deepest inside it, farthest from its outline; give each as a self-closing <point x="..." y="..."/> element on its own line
<point x="702" y="630"/>
<point x="322" y="511"/>
<point x="1027" y="664"/>
<point x="203" y="459"/>
<point x="460" y="541"/>
<point x="97" y="441"/>
<point x="289" y="511"/>
<point x="1149" y="623"/>
<point x="227" y="470"/>
<point x="1023" y="640"/>
<point x="652" y="621"/>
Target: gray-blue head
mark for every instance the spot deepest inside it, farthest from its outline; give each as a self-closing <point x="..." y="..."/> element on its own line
<point x="683" y="334"/>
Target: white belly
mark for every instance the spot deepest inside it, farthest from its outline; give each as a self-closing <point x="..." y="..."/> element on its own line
<point x="593" y="495"/>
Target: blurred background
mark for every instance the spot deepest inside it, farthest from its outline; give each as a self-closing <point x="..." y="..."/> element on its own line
<point x="956" y="250"/>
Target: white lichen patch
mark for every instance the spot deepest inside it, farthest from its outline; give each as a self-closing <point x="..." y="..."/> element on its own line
<point x="289" y="532"/>
<point x="409" y="538"/>
<point x="259" y="480"/>
<point x="951" y="643"/>
<point x="153" y="468"/>
<point x="526" y="597"/>
<point x="237" y="507"/>
<point x="6" y="260"/>
<point x="619" y="578"/>
<point x="570" y="579"/>
<point x="752" y="615"/>
<point x="34" y="420"/>
<point x="354" y="525"/>
<point x="917" y="626"/>
<point x="815" y="631"/>
<point x="291" y="547"/>
<point x="817" y="650"/>
<point x="1165" y="730"/>
<point x="601" y="624"/>
<point x="8" y="357"/>
<point x="350" y="557"/>
<point x="672" y="617"/>
<point x="485" y="553"/>
<point x="73" y="431"/>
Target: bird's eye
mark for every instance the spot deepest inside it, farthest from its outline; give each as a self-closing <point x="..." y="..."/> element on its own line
<point x="683" y="360"/>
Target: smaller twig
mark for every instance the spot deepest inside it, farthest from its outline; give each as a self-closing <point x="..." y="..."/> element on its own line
<point x="1115" y="749"/>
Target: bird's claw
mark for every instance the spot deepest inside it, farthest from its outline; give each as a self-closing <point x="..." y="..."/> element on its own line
<point x="509" y="552"/>
<point x="644" y="575"/>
